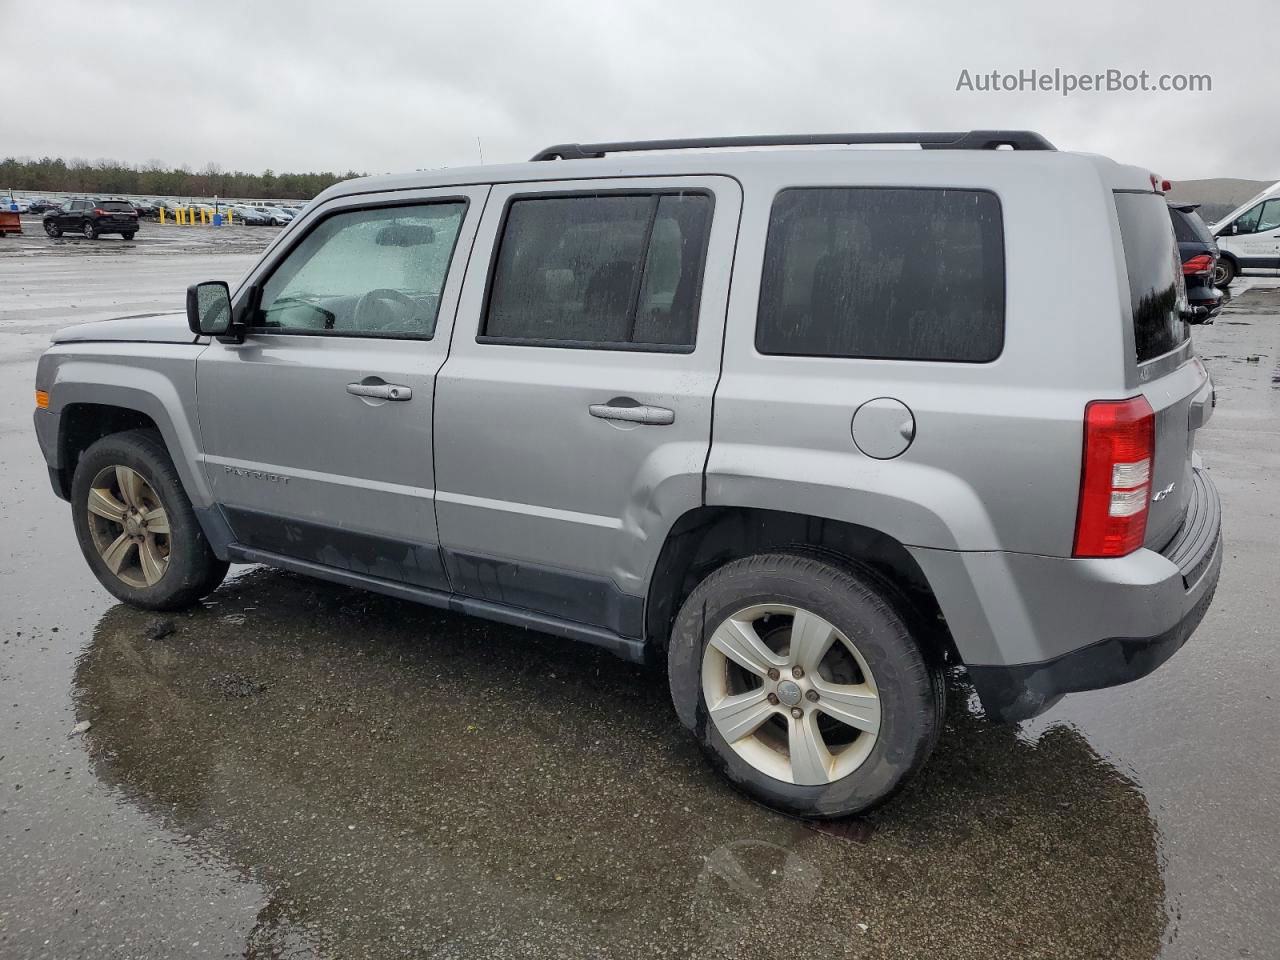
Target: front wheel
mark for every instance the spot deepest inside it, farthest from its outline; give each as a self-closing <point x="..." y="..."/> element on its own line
<point x="51" y="229"/>
<point x="1223" y="273"/>
<point x="803" y="684"/>
<point x="136" y="527"/>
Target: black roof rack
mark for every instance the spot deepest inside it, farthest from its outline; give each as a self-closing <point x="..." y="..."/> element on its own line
<point x="972" y="140"/>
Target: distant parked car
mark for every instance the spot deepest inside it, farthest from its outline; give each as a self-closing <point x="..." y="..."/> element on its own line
<point x="277" y="216"/>
<point x="12" y="203"/>
<point x="42" y="206"/>
<point x="250" y="216"/>
<point x="145" y="208"/>
<point x="1249" y="238"/>
<point x="1199" y="254"/>
<point x="93" y="217"/>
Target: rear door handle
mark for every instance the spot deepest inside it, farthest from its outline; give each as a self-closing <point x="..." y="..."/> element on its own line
<point x="380" y="391"/>
<point x="628" y="411"/>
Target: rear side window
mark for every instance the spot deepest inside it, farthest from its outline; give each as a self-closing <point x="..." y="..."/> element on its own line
<point x="604" y="270"/>
<point x="883" y="273"/>
<point x="1155" y="274"/>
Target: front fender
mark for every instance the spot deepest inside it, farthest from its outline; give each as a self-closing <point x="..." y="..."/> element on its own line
<point x="157" y="380"/>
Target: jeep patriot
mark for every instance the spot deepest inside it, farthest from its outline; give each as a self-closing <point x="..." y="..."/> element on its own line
<point x="802" y="426"/>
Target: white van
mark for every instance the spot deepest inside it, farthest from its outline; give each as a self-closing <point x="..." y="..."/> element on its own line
<point x="1249" y="239"/>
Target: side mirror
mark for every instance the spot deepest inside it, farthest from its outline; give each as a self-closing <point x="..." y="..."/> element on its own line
<point x="209" y="308"/>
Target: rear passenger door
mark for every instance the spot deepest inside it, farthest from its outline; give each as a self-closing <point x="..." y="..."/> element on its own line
<point x="573" y="415"/>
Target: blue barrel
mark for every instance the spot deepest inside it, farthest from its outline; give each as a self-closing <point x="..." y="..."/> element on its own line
<point x="217" y="219"/>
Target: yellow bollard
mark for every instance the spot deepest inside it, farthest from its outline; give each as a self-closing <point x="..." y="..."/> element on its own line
<point x="230" y="220"/>
<point x="162" y="216"/>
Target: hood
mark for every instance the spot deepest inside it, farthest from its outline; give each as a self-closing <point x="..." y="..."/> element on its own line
<point x="144" y="327"/>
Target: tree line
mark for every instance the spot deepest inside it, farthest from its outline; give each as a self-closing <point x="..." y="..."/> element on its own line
<point x="28" y="176"/>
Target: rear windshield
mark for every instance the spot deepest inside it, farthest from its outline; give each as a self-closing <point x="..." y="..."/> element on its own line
<point x="1188" y="227"/>
<point x="1155" y="274"/>
<point x="115" y="205"/>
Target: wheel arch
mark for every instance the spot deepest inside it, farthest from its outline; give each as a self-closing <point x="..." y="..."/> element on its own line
<point x="91" y="394"/>
<point x="707" y="537"/>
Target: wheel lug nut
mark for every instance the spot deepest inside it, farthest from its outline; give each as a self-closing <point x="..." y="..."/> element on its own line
<point x="797" y="672"/>
<point x="811" y="694"/>
<point x="773" y="699"/>
<point x="773" y="673"/>
<point x="797" y="712"/>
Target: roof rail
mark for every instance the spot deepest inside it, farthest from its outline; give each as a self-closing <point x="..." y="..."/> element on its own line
<point x="972" y="140"/>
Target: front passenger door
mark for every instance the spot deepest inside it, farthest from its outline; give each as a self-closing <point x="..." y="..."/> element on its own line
<point x="317" y="429"/>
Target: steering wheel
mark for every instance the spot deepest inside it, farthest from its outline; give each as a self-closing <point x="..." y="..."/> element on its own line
<point x="371" y="310"/>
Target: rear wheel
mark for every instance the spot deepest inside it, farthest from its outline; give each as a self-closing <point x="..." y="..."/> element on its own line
<point x="130" y="234"/>
<point x="136" y="527"/>
<point x="1223" y="273"/>
<point x="90" y="230"/>
<point x="803" y="684"/>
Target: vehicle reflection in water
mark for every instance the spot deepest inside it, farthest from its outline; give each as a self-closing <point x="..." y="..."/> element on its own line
<point x="409" y="781"/>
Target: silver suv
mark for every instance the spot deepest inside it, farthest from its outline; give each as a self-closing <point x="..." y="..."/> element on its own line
<point x="804" y="426"/>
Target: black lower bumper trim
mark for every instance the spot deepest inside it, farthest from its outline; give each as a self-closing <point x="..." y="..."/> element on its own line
<point x="1025" y="690"/>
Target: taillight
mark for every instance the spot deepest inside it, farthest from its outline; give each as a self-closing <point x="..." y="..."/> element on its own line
<point x="1115" y="479"/>
<point x="99" y="211"/>
<point x="1200" y="263"/>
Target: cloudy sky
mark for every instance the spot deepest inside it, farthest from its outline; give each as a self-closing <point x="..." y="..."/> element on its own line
<point x="383" y="85"/>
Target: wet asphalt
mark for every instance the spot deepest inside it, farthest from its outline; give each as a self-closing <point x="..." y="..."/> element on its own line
<point x="296" y="769"/>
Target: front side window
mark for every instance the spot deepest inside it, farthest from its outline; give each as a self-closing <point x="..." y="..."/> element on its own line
<point x="605" y="270"/>
<point x="1247" y="222"/>
<point x="883" y="273"/>
<point x="1270" y="216"/>
<point x="376" y="272"/>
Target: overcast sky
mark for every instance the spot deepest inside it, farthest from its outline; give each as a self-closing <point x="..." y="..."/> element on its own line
<point x="381" y="85"/>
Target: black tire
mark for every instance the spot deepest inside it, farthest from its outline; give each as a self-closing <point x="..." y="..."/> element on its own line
<point x="1224" y="273"/>
<point x="52" y="229"/>
<point x="130" y="234"/>
<point x="192" y="570"/>
<point x="911" y="689"/>
<point x="90" y="230"/>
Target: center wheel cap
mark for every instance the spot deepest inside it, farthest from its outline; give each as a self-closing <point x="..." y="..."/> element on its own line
<point x="790" y="693"/>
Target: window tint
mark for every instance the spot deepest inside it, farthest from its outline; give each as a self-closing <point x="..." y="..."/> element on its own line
<point x="1270" y="218"/>
<point x="603" y="270"/>
<point x="1188" y="227"/>
<point x="883" y="273"/>
<point x="116" y="205"/>
<point x="1155" y="274"/>
<point x="366" y="273"/>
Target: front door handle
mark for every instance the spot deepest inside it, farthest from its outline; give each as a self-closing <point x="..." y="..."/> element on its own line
<point x="628" y="411"/>
<point x="380" y="391"/>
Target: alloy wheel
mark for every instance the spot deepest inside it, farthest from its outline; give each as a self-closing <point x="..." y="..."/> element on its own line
<point x="791" y="694"/>
<point x="129" y="526"/>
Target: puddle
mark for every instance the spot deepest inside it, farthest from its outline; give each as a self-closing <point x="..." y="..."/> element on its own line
<point x="406" y="780"/>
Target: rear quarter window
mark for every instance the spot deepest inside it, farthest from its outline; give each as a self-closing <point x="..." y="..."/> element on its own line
<point x="884" y="273"/>
<point x="1155" y="274"/>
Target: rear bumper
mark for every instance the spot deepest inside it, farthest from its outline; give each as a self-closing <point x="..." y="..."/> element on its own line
<point x="1032" y="628"/>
